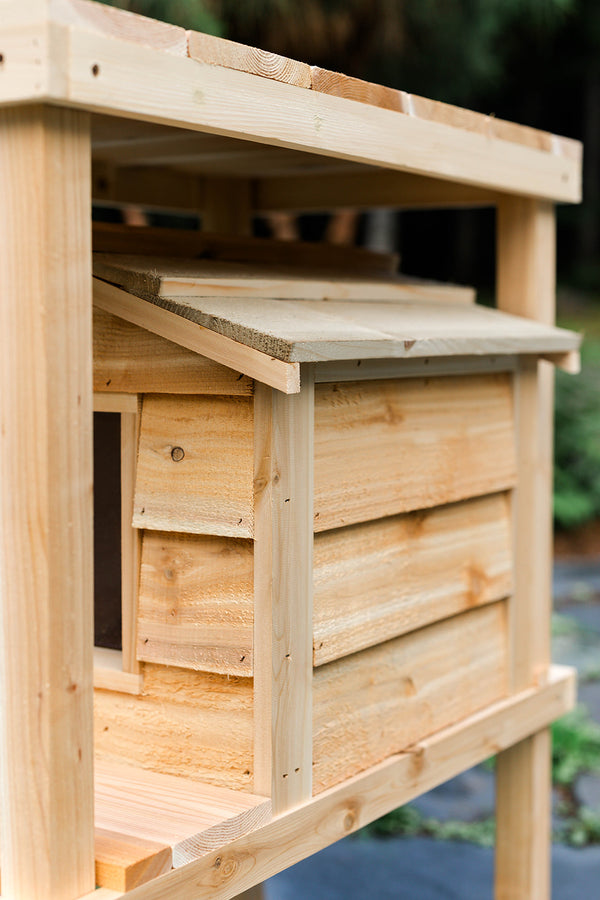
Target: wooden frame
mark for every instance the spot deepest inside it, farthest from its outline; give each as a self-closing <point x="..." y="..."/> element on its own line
<point x="296" y="140"/>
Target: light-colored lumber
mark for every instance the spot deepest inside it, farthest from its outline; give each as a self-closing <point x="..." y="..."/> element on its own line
<point x="192" y="724"/>
<point x="46" y="548"/>
<point x="191" y="818"/>
<point x="131" y="359"/>
<point x="130" y="540"/>
<point x="216" y="51"/>
<point x="413" y="322"/>
<point x="376" y="369"/>
<point x="282" y="375"/>
<point x="523" y="813"/>
<point x="115" y="402"/>
<point x="196" y="602"/>
<point x="108" y="237"/>
<point x="228" y="206"/>
<point x="385" y="447"/>
<point x="526" y="285"/>
<point x="382" y="700"/>
<point x="283" y="567"/>
<point x="109" y="673"/>
<point x="153" y="187"/>
<point x="123" y="862"/>
<point x="120" y="24"/>
<point x="153" y="278"/>
<point x="194" y="470"/>
<point x="365" y="190"/>
<point x="381" y="579"/>
<point x="346" y="808"/>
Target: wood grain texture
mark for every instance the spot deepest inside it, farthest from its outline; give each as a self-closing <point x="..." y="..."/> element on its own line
<point x="216" y="51"/>
<point x="109" y="674"/>
<point x="123" y="862"/>
<point x="523" y="810"/>
<point x="191" y="724"/>
<point x="381" y="579"/>
<point x="346" y="808"/>
<point x="130" y="358"/>
<point x="196" y="602"/>
<point x="228" y="206"/>
<point x="385" y="447"/>
<point x="191" y="818"/>
<point x="282" y="375"/>
<point x="385" y="699"/>
<point x="209" y="489"/>
<point x="46" y="548"/>
<point x="130" y="539"/>
<point x="120" y="24"/>
<point x="108" y="237"/>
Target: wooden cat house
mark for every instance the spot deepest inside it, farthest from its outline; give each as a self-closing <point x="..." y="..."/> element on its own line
<point x="322" y="490"/>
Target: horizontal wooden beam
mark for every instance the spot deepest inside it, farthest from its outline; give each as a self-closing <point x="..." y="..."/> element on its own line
<point x="335" y="813"/>
<point x="281" y="375"/>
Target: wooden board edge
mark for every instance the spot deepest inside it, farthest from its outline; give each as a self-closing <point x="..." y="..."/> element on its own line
<point x="335" y="813"/>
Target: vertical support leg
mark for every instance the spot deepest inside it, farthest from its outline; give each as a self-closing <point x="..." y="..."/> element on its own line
<point x="284" y="427"/>
<point x="526" y="287"/>
<point x="227" y="206"/>
<point x="46" y="551"/>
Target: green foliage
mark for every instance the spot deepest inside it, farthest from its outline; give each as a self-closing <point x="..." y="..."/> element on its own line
<point x="575" y="746"/>
<point x="582" y="829"/>
<point x="194" y="14"/>
<point x="577" y="448"/>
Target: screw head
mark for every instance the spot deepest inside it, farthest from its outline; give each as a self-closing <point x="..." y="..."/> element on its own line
<point x="177" y="454"/>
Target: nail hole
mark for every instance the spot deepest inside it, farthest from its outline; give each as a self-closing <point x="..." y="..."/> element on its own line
<point x="296" y="771"/>
<point x="1" y="58"/>
<point x="285" y="775"/>
<point x="287" y="655"/>
<point x="95" y="70"/>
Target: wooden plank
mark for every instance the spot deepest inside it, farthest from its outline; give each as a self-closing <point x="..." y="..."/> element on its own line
<point x="130" y="540"/>
<point x="195" y="462"/>
<point x="376" y="581"/>
<point x="153" y="278"/>
<point x="389" y="697"/>
<point x="139" y="81"/>
<point x="283" y="589"/>
<point x="410" y="444"/>
<point x="131" y="359"/>
<point x="124" y="862"/>
<point x="228" y="206"/>
<point x="109" y="674"/>
<point x="195" y="725"/>
<point x="348" y="807"/>
<point x="523" y="809"/>
<point x="526" y="285"/>
<point x="191" y="818"/>
<point x="120" y="24"/>
<point x="365" y="190"/>
<point x="281" y="375"/>
<point x="46" y="548"/>
<point x="376" y="369"/>
<point x="410" y="323"/>
<point x="196" y="602"/>
<point x="115" y="402"/>
<point x="216" y="51"/>
<point x="108" y="237"/>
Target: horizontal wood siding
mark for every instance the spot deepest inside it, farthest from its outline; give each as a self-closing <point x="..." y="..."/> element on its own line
<point x="192" y="724"/>
<point x="377" y="580"/>
<point x="196" y="602"/>
<point x="386" y="447"/>
<point x="208" y="489"/>
<point x="375" y="703"/>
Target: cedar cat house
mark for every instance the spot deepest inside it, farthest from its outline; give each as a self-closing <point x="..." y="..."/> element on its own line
<point x="322" y="491"/>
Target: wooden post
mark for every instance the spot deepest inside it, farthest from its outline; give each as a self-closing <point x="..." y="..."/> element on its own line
<point x="46" y="552"/>
<point x="284" y="454"/>
<point x="227" y="206"/>
<point x="526" y="287"/>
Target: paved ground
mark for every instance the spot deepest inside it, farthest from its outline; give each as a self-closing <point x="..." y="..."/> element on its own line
<point x="426" y="869"/>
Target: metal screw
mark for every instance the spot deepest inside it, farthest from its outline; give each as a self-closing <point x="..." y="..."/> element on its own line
<point x="177" y="454"/>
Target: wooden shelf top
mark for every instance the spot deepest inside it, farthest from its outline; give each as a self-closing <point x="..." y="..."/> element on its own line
<point x="307" y="121"/>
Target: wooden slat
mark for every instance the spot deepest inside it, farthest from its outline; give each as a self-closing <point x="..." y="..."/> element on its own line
<point x="154" y="278"/>
<point x="283" y="589"/>
<point x="191" y="724"/>
<point x="389" y="697"/>
<point x="195" y="465"/>
<point x="108" y="237"/>
<point x="228" y="206"/>
<point x="346" y="808"/>
<point x="120" y="24"/>
<point x="281" y="375"/>
<point x="191" y="818"/>
<point x="376" y="369"/>
<point x="382" y="579"/>
<point x="109" y="674"/>
<point x="130" y="358"/>
<point x="46" y="547"/>
<point x="130" y="540"/>
<point x="195" y="602"/>
<point x="385" y="447"/>
<point x="216" y="51"/>
<point x="123" y="862"/>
